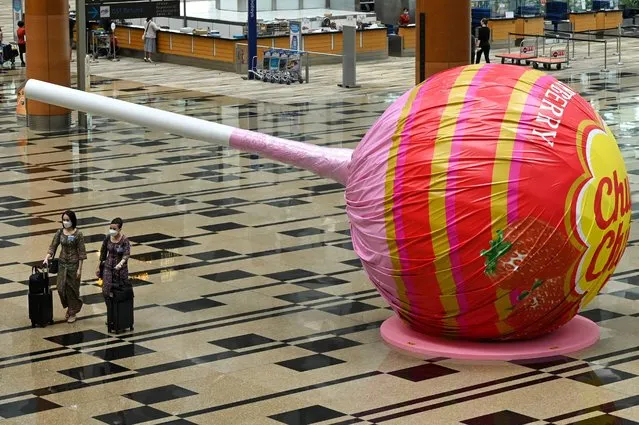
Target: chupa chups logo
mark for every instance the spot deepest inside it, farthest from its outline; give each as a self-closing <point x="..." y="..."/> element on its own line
<point x="600" y="207"/>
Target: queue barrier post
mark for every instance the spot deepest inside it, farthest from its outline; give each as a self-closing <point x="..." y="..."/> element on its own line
<point x="620" y="62"/>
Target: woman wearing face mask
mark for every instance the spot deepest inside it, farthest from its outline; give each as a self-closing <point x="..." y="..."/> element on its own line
<point x="118" y="250"/>
<point x="72" y="255"/>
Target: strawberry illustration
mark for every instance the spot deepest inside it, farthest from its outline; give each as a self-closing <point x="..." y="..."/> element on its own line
<point x="528" y="251"/>
<point x="533" y="306"/>
<point x="531" y="260"/>
<point x="542" y="310"/>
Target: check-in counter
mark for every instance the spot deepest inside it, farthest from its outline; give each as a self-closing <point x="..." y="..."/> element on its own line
<point x="224" y="54"/>
<point x="595" y="21"/>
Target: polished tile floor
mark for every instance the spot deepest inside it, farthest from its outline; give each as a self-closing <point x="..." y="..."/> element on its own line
<point x="251" y="307"/>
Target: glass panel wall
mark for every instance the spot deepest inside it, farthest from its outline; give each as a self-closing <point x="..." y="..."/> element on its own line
<point x="503" y="8"/>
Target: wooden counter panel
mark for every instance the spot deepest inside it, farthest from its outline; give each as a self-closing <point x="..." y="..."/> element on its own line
<point x="600" y="19"/>
<point x="279" y="42"/>
<point x="372" y="41"/>
<point x="321" y="43"/>
<point x="409" y="35"/>
<point x="500" y="29"/>
<point x="122" y="35"/>
<point x="532" y="26"/>
<point x="611" y="19"/>
<point x="583" y="21"/>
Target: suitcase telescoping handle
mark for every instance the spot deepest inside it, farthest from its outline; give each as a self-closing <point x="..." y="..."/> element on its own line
<point x="43" y="269"/>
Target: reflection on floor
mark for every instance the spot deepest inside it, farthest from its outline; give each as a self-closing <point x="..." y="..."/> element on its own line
<point x="251" y="306"/>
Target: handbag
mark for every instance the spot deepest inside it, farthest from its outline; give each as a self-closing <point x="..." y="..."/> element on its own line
<point x="103" y="255"/>
<point x="54" y="265"/>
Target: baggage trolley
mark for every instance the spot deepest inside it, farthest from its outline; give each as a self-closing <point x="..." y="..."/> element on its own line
<point x="295" y="68"/>
<point x="261" y="69"/>
<point x="8" y="54"/>
<point x="282" y="72"/>
<point x="556" y="57"/>
<point x="527" y="51"/>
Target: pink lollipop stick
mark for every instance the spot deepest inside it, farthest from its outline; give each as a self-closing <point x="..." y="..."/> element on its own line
<point x="331" y="163"/>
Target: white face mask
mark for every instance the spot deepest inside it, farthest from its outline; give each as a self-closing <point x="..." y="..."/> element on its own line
<point x="66" y="224"/>
<point x="113" y="232"/>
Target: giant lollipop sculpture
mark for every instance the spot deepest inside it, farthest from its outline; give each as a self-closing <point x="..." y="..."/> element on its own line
<point x="489" y="203"/>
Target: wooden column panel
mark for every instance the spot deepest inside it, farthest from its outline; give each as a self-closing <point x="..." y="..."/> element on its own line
<point x="47" y="24"/>
<point x="445" y="41"/>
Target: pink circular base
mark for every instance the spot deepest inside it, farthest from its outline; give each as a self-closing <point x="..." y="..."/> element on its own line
<point x="576" y="335"/>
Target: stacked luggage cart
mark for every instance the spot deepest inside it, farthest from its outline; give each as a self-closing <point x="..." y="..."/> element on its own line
<point x="103" y="44"/>
<point x="279" y="66"/>
<point x="8" y="55"/>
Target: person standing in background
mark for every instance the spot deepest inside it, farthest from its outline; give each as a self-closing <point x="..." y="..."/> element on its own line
<point x="22" y="41"/>
<point x="71" y="27"/>
<point x="483" y="41"/>
<point x="404" y="18"/>
<point x="150" y="39"/>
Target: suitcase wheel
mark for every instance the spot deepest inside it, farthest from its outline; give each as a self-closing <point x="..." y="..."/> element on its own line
<point x="33" y="325"/>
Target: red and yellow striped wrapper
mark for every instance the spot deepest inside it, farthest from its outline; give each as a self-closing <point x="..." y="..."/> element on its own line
<point x="488" y="203"/>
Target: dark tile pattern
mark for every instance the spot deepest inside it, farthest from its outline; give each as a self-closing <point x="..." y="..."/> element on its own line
<point x="132" y="416"/>
<point x="194" y="305"/>
<point x="26" y="407"/>
<point x="307" y="415"/>
<point x="228" y="276"/>
<point x="121" y="352"/>
<point x="80" y="337"/>
<point x="599" y="315"/>
<point x="93" y="371"/>
<point x="328" y="344"/>
<point x="599" y="377"/>
<point x="242" y="341"/>
<point x="423" y="372"/>
<point x="160" y="394"/>
<point x="317" y="361"/>
<point x="505" y="417"/>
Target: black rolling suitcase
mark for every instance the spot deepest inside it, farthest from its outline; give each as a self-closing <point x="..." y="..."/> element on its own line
<point x="40" y="299"/>
<point x="120" y="308"/>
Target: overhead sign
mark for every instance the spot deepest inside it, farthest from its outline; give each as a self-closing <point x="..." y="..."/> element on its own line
<point x="128" y="10"/>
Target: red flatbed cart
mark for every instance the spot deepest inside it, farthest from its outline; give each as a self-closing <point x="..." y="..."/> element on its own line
<point x="527" y="51"/>
<point x="558" y="56"/>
